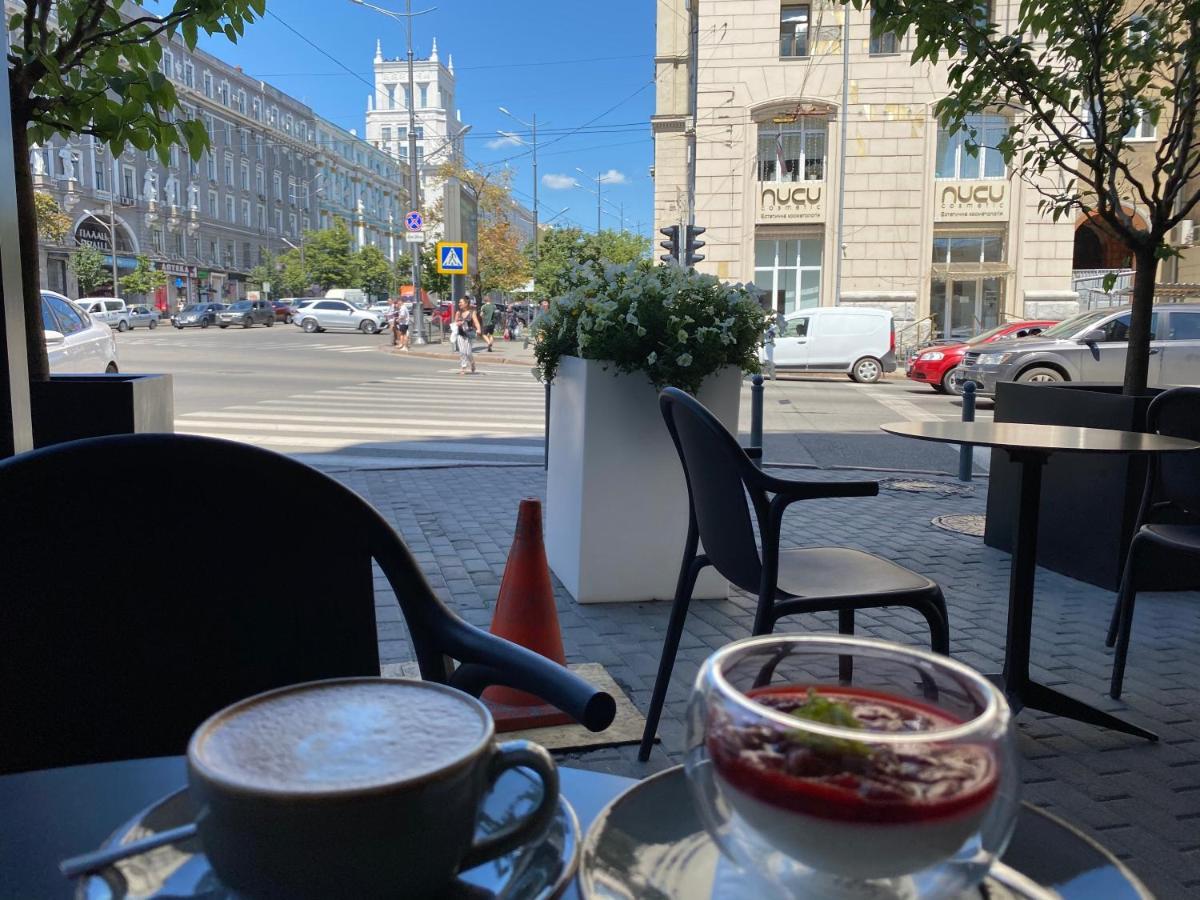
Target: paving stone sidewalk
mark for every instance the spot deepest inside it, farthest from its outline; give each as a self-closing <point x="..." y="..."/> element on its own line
<point x="1139" y="799"/>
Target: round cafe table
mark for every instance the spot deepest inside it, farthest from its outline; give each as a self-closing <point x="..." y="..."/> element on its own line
<point x="1029" y="446"/>
<point x="52" y="814"/>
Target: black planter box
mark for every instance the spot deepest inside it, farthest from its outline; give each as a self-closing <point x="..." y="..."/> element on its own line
<point x="70" y="407"/>
<point x="1089" y="500"/>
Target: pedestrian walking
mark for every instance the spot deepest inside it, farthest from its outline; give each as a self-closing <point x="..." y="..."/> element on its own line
<point x="487" y="318"/>
<point x="403" y="317"/>
<point x="513" y="325"/>
<point x="543" y="310"/>
<point x="466" y="326"/>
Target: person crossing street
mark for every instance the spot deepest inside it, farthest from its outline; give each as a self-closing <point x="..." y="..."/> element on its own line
<point x="487" y="317"/>
<point x="466" y="325"/>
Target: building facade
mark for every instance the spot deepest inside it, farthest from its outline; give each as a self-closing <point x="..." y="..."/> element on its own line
<point x="827" y="190"/>
<point x="272" y="171"/>
<point x="439" y="127"/>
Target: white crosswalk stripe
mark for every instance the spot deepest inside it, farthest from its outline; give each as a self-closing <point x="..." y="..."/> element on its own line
<point x="402" y="420"/>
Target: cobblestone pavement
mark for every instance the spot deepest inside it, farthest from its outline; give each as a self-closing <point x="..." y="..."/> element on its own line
<point x="1141" y="800"/>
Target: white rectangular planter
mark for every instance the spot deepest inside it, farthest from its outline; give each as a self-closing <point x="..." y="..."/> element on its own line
<point x="616" y="498"/>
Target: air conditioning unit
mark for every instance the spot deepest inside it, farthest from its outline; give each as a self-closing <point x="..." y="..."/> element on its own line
<point x="1187" y="233"/>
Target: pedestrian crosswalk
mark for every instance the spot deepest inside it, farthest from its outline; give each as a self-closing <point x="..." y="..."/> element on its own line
<point x="265" y="347"/>
<point x="433" y="418"/>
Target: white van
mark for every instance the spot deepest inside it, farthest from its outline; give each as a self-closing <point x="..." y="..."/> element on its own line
<point x="859" y="342"/>
<point x="109" y="310"/>
<point x="353" y="296"/>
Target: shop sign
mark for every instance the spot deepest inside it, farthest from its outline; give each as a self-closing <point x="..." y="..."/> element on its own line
<point x="971" y="201"/>
<point x="180" y="269"/>
<point x="801" y="201"/>
<point x="92" y="233"/>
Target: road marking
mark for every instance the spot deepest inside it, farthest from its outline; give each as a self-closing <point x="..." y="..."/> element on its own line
<point x="225" y="414"/>
<point x="273" y="441"/>
<point x="910" y="411"/>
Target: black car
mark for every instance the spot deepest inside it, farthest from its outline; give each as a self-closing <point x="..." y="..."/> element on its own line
<point x="247" y="313"/>
<point x="201" y="314"/>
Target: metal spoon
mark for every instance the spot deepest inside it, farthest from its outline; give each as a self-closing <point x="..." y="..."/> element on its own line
<point x="90" y="863"/>
<point x="1022" y="884"/>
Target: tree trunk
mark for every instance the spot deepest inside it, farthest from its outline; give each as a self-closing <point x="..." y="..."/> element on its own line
<point x="1137" y="362"/>
<point x="35" y="338"/>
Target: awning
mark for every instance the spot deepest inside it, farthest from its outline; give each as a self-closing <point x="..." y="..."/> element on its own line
<point x="123" y="262"/>
<point x="946" y="271"/>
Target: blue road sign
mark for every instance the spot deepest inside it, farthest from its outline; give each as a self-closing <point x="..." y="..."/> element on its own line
<point x="413" y="221"/>
<point x="451" y="258"/>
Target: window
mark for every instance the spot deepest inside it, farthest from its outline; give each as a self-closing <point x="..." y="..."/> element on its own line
<point x="69" y="321"/>
<point x="793" y="31"/>
<point x="1143" y="127"/>
<point x="213" y="209"/>
<point x="173" y="190"/>
<point x="955" y="159"/>
<point x="256" y="109"/>
<point x="292" y="191"/>
<point x="789" y="272"/>
<point x="423" y="94"/>
<point x="223" y="93"/>
<point x="208" y="85"/>
<point x="385" y="134"/>
<point x="229" y="169"/>
<point x="214" y="252"/>
<point x="100" y="173"/>
<point x="210" y="166"/>
<point x="246" y="213"/>
<point x="287" y="123"/>
<point x="156" y="240"/>
<point x="262" y="217"/>
<point x="174" y="156"/>
<point x="228" y="134"/>
<point x="258" y="147"/>
<point x="306" y="196"/>
<point x="982" y="247"/>
<point x="279" y="220"/>
<point x="273" y="117"/>
<point x="332" y="304"/>
<point x="277" y="185"/>
<point x="245" y="173"/>
<point x="167" y="64"/>
<point x="883" y="42"/>
<point x="1183" y="326"/>
<point x="292" y="224"/>
<point x="128" y="188"/>
<point x="230" y="256"/>
<point x="1117" y="330"/>
<point x="179" y="243"/>
<point x="241" y="103"/>
<point x="793" y="152"/>
<point x="244" y="141"/>
<point x="260" y="181"/>
<point x="193" y="197"/>
<point x="189" y="75"/>
<point x="246" y="253"/>
<point x="230" y="212"/>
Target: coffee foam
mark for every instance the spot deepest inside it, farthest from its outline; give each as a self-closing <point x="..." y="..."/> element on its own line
<point x="341" y="736"/>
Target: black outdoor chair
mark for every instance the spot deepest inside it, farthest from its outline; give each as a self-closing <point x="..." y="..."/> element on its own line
<point x="1172" y="497"/>
<point x="719" y="476"/>
<point x="150" y="580"/>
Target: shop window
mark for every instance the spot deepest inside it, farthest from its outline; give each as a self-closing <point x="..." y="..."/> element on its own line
<point x="957" y="160"/>
<point x="883" y="42"/>
<point x="793" y="30"/>
<point x="788" y="271"/>
<point x="794" y="152"/>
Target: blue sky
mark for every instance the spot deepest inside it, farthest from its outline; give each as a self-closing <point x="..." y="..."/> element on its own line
<point x="574" y="64"/>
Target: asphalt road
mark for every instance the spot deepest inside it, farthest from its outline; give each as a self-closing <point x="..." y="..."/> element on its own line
<point x="345" y="399"/>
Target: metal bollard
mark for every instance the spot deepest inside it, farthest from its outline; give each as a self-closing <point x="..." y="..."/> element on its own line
<point x="756" y="415"/>
<point x="966" y="451"/>
<point x="546" y="447"/>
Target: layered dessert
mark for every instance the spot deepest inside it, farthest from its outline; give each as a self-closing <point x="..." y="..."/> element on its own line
<point x="850" y="807"/>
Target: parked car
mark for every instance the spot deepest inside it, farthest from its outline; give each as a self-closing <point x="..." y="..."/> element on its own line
<point x="247" y="313"/>
<point x="859" y="342"/>
<point x="198" y="314"/>
<point x="142" y="317"/>
<point x="935" y="365"/>
<point x="1092" y="346"/>
<point x="109" y="310"/>
<point x="284" y="309"/>
<point x="75" y="342"/>
<point x="322" y="314"/>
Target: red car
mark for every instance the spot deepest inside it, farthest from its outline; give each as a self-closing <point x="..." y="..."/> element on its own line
<point x="933" y="365"/>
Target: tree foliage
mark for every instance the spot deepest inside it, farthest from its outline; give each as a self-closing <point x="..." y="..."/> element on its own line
<point x="563" y="251"/>
<point x="143" y="279"/>
<point x="90" y="270"/>
<point x="1075" y="78"/>
<point x="432" y="281"/>
<point x="52" y="222"/>
<point x="83" y="67"/>
<point x="327" y="257"/>
<point x="372" y="271"/>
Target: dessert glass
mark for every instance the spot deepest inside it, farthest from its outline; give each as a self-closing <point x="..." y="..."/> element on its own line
<point x="834" y="766"/>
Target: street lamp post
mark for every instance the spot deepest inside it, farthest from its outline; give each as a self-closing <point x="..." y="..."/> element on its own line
<point x="414" y="174"/>
<point x="303" y="269"/>
<point x="111" y="225"/>
<point x="532" y="126"/>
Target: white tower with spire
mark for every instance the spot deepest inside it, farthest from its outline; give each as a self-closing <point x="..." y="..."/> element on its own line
<point x="438" y="122"/>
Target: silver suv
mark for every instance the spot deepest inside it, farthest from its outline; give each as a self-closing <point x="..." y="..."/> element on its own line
<point x="320" y="314"/>
<point x="1092" y="347"/>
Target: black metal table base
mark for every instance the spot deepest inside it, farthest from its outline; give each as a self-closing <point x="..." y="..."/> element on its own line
<point x="1019" y="688"/>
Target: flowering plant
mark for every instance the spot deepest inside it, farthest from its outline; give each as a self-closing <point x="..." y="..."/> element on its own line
<point x="677" y="326"/>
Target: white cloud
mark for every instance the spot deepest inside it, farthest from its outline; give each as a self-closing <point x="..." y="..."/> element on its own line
<point x="505" y="139"/>
<point x="612" y="176"/>
<point x="558" y="182"/>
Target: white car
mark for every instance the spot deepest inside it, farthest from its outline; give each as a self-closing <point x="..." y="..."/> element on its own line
<point x="321" y="314"/>
<point x="109" y="310"/>
<point x="859" y="342"/>
<point x="75" y="342"/>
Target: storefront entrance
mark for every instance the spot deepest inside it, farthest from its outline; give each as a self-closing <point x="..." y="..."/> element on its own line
<point x="961" y="307"/>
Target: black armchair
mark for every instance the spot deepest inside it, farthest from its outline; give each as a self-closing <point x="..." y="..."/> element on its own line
<point x="133" y="608"/>
<point x="1168" y="522"/>
<point x="719" y="476"/>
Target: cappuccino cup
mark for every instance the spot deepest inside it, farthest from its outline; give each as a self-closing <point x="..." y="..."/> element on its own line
<point x="354" y="787"/>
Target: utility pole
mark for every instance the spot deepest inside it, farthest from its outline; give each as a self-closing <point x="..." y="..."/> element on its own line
<point x="599" y="179"/>
<point x="532" y="126"/>
<point x="845" y="126"/>
<point x="112" y="224"/>
<point x="414" y="175"/>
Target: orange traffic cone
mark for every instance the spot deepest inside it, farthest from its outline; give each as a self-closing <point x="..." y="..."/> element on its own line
<point x="526" y="615"/>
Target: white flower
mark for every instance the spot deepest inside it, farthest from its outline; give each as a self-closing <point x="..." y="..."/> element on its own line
<point x="641" y="332"/>
<point x="682" y="336"/>
<point x="652" y="358"/>
<point x="684" y="359"/>
<point x="631" y="318"/>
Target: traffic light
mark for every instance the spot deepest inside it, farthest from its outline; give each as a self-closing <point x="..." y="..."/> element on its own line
<point x="671" y="244"/>
<point x="691" y="245"/>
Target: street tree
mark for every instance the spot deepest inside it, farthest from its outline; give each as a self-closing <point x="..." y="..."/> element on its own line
<point x="52" y="223"/>
<point x="328" y="261"/>
<point x="561" y="251"/>
<point x="432" y="280"/>
<point x="1078" y="80"/>
<point x="372" y="271"/>
<point x="499" y="263"/>
<point x="84" y="67"/>
<point x="291" y="275"/>
<point x="144" y="279"/>
<point x="90" y="270"/>
<point x="264" y="272"/>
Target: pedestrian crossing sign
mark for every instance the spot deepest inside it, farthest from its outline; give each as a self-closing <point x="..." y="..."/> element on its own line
<point x="451" y="258"/>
